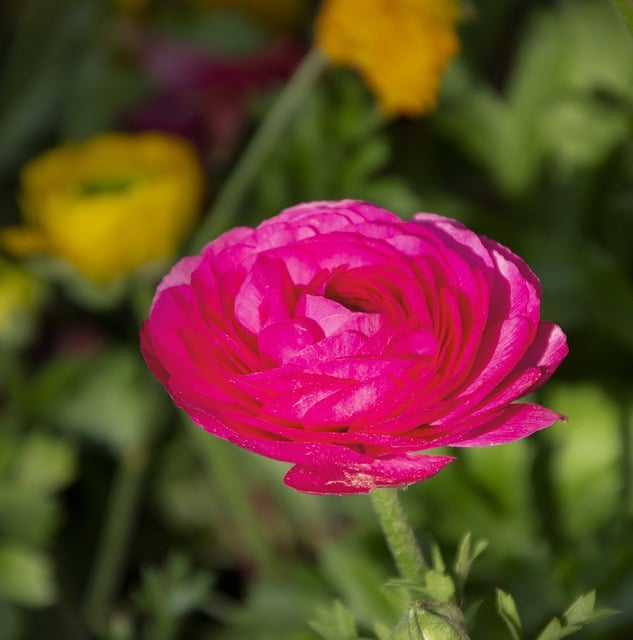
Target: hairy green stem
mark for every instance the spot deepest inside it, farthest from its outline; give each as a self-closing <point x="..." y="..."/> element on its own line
<point x="399" y="534"/>
<point x="123" y="503"/>
<point x="226" y="205"/>
<point x="626" y="10"/>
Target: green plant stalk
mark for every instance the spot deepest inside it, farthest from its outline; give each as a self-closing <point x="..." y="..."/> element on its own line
<point x="225" y="472"/>
<point x="399" y="535"/>
<point x="626" y="10"/>
<point x="226" y="205"/>
<point x="124" y="498"/>
<point x="626" y="465"/>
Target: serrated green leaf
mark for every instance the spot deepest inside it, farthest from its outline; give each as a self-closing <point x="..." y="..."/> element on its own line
<point x="581" y="610"/>
<point x="467" y="553"/>
<point x="555" y="631"/>
<point x="335" y="623"/>
<point x="508" y="611"/>
<point x="580" y="613"/>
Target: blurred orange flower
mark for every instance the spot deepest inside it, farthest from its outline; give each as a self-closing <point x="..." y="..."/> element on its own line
<point x="400" y="47"/>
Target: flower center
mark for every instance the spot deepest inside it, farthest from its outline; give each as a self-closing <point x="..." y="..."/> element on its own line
<point x="107" y="185"/>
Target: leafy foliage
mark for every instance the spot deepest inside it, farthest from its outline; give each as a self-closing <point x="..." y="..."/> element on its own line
<point x="531" y="145"/>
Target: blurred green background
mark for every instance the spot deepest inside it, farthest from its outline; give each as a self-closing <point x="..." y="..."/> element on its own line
<point x="120" y="520"/>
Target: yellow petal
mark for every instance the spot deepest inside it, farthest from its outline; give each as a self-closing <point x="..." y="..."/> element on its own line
<point x="400" y="47"/>
<point x="110" y="204"/>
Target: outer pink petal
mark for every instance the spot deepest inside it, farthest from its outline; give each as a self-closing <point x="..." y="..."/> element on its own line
<point x="512" y="423"/>
<point x="179" y="274"/>
<point x="547" y="351"/>
<point x="361" y="477"/>
<point x="329" y="215"/>
<point x="358" y="473"/>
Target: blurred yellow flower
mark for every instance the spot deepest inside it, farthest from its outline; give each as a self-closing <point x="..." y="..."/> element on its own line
<point x="400" y="47"/>
<point x="110" y="204"/>
<point x="20" y="297"/>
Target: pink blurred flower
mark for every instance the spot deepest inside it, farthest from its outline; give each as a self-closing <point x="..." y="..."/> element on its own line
<point x="201" y="95"/>
<point x="341" y="339"/>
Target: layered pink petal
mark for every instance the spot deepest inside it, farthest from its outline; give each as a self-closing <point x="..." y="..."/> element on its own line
<point x="362" y="477"/>
<point x="341" y="339"/>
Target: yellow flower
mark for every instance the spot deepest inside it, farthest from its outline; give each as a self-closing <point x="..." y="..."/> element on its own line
<point x="400" y="47"/>
<point x="110" y="204"/>
<point x="20" y="297"/>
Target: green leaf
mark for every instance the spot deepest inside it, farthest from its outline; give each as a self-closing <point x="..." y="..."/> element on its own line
<point x="115" y="403"/>
<point x="32" y="469"/>
<point x="467" y="553"/>
<point x="580" y="613"/>
<point x="335" y="623"/>
<point x="573" y="115"/>
<point x="437" y="586"/>
<point x="507" y="609"/>
<point x="555" y="631"/>
<point x="437" y="561"/>
<point x="583" y="611"/>
<point x="46" y="464"/>
<point x="25" y="577"/>
<point x="382" y="632"/>
<point x="175" y="589"/>
<point x="361" y="584"/>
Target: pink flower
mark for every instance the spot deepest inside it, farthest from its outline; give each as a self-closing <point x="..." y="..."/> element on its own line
<point x="341" y="339"/>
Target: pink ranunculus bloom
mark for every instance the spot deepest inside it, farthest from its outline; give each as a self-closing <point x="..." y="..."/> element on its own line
<point x="340" y="338"/>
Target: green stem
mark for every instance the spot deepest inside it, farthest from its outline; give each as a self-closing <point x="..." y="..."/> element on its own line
<point x="226" y="474"/>
<point x="106" y="572"/>
<point x="626" y="9"/>
<point x="626" y="464"/>
<point x="226" y="205"/>
<point x="399" y="534"/>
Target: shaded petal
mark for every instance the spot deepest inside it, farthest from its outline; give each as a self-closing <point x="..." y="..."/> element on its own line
<point x="281" y="341"/>
<point x="514" y="422"/>
<point x="363" y="476"/>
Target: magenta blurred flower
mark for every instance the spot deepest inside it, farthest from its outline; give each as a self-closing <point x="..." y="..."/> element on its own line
<point x="341" y="339"/>
<point x="200" y="95"/>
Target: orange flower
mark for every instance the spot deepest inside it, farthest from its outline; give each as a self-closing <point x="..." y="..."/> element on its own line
<point x="400" y="47"/>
